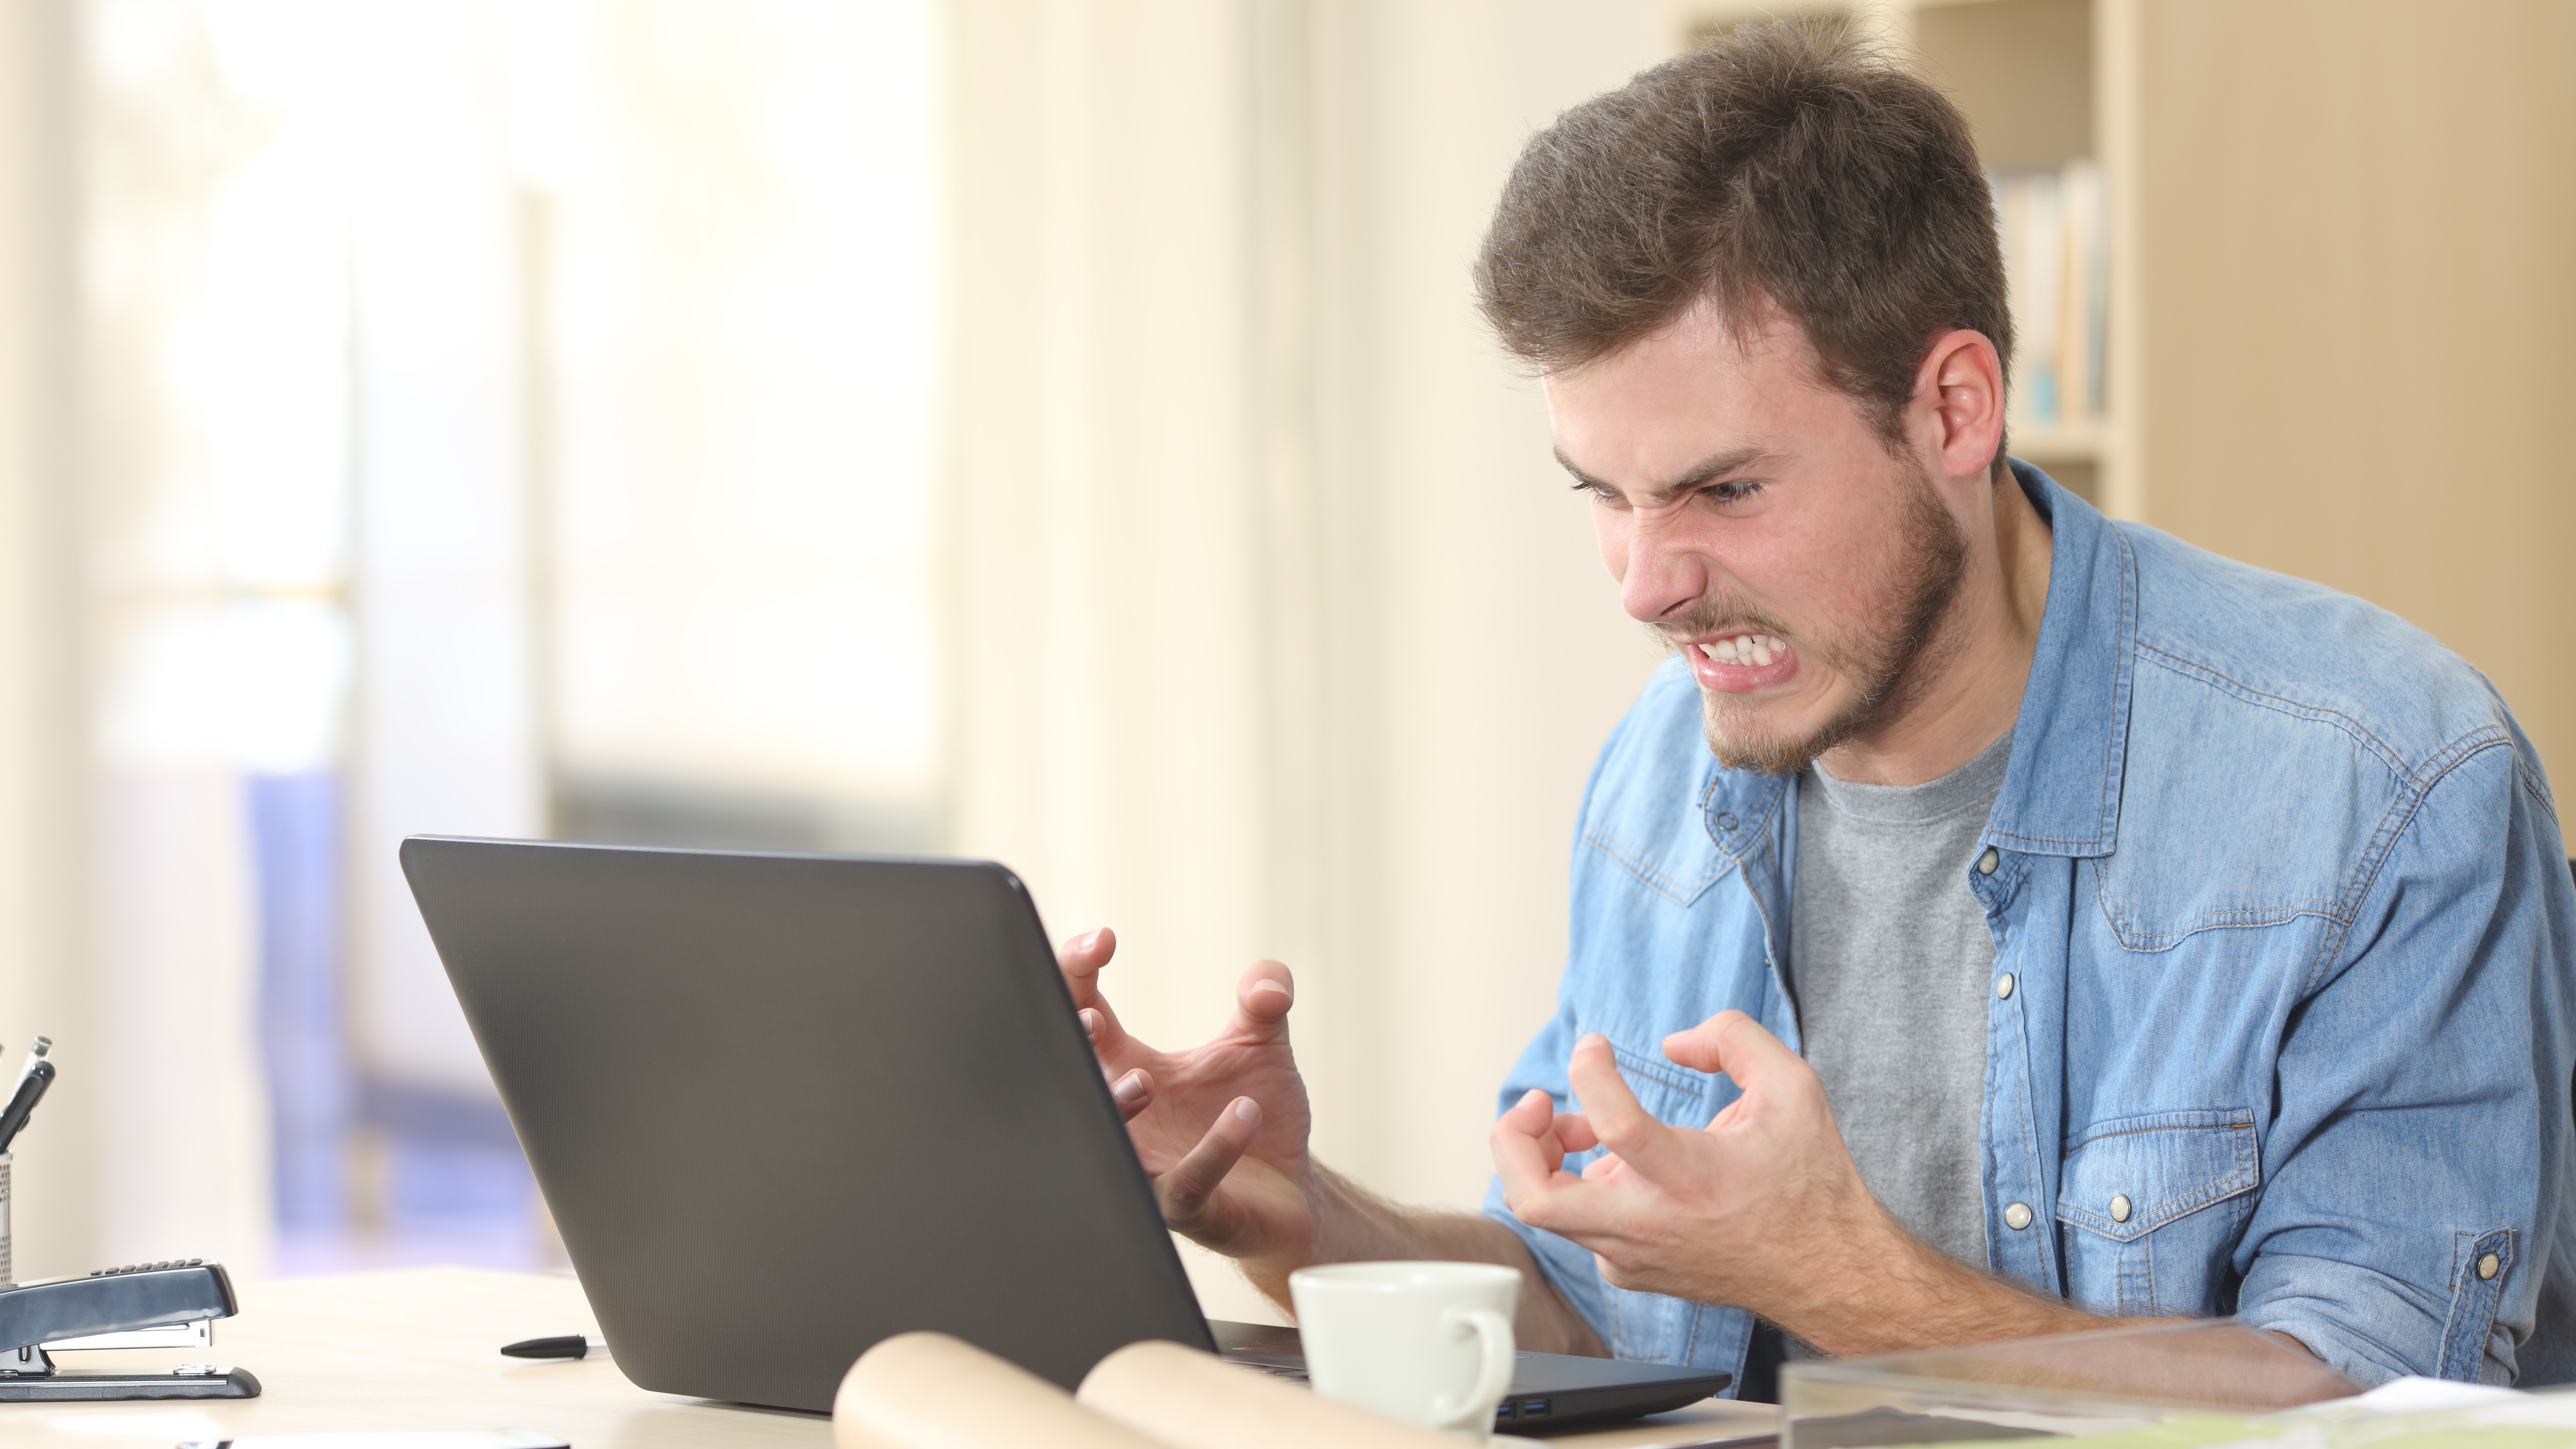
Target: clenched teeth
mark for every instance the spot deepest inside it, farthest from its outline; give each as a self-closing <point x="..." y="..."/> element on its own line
<point x="1757" y="650"/>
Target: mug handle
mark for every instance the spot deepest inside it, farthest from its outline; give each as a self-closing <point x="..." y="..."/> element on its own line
<point x="1493" y="1376"/>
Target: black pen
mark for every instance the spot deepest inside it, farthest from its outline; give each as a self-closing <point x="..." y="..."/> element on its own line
<point x="570" y="1345"/>
<point x="31" y="1087"/>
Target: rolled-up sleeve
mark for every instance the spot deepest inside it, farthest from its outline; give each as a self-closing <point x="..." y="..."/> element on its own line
<point x="2415" y="1172"/>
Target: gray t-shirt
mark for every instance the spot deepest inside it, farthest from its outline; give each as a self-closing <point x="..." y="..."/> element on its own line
<point x="1891" y="968"/>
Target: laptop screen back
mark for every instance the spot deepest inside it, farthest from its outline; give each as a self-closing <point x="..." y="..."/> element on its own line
<point x="783" y="1107"/>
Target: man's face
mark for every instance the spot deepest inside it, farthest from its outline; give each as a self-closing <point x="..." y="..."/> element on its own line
<point x="1756" y="520"/>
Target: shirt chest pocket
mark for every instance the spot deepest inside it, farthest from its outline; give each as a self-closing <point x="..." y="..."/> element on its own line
<point x="2150" y="1209"/>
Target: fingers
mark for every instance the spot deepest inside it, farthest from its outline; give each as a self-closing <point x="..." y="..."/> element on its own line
<point x="1261" y="1001"/>
<point x="1616" y="1118"/>
<point x="1529" y="1144"/>
<point x="1101" y="1026"/>
<point x="1080" y="959"/>
<point x="1133" y="1092"/>
<point x="1733" y="1043"/>
<point x="1186" y="1187"/>
<point x="1535" y="1113"/>
<point x="1574" y="1132"/>
<point x="1527" y="1155"/>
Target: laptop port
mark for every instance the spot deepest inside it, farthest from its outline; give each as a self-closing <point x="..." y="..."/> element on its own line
<point x="1534" y="1409"/>
<point x="1502" y="1411"/>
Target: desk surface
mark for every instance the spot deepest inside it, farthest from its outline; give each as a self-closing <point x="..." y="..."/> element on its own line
<point x="417" y="1349"/>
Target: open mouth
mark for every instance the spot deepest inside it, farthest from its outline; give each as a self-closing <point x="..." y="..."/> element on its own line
<point x="1743" y="661"/>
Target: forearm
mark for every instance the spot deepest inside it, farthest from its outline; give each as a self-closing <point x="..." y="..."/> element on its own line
<point x="1903" y="1295"/>
<point x="1354" y="1225"/>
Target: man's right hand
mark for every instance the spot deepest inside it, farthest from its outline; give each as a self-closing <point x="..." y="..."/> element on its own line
<point x="1221" y="1128"/>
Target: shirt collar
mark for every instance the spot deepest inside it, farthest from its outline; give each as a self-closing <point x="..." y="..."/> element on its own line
<point x="2061" y="792"/>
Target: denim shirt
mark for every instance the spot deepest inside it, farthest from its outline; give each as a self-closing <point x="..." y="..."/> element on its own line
<point x="2284" y="939"/>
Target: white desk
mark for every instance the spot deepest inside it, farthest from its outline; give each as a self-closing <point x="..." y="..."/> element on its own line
<point x="418" y="1349"/>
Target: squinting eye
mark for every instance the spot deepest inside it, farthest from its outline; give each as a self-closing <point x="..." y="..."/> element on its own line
<point x="1731" y="492"/>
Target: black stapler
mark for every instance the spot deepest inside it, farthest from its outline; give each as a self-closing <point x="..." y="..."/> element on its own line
<point x="149" y="1305"/>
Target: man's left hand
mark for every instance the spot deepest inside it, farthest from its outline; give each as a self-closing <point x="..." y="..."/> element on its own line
<point x="1762" y="1208"/>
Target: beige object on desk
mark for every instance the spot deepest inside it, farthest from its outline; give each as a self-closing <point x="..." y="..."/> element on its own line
<point x="420" y="1349"/>
<point x="931" y="1391"/>
<point x="1194" y="1400"/>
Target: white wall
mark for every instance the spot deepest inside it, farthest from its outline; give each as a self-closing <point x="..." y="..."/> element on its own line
<point x="740" y="415"/>
<point x="44" y="806"/>
<point x="1279" y="632"/>
<point x="1275" y="631"/>
<point x="446" y="738"/>
<point x="1507" y="658"/>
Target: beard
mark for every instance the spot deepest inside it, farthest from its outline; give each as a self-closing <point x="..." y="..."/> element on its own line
<point x="1886" y="659"/>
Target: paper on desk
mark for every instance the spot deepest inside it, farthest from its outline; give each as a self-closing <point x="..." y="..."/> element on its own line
<point x="931" y="1391"/>
<point x="2415" y="1394"/>
<point x="926" y="1391"/>
<point x="2414" y="1413"/>
<point x="1195" y="1400"/>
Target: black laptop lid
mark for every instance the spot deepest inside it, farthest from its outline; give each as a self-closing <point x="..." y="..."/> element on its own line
<point x="785" y="1106"/>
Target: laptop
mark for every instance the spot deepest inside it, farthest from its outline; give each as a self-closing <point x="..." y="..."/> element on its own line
<point x="785" y="1106"/>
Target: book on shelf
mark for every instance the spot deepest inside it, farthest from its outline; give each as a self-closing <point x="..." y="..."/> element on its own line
<point x="2055" y="229"/>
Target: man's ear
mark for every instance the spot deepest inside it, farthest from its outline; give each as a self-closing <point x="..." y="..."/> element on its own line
<point x="1959" y="400"/>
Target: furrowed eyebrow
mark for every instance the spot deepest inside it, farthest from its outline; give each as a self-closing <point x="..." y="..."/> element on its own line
<point x="1716" y="465"/>
<point x="1581" y="478"/>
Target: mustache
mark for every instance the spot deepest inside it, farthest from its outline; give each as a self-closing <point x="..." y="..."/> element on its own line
<point x="1717" y="615"/>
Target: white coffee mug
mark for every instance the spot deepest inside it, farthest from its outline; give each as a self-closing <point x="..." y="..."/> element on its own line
<point x="1428" y="1343"/>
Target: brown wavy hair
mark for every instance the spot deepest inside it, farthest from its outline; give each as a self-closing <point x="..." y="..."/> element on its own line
<point x="1790" y="165"/>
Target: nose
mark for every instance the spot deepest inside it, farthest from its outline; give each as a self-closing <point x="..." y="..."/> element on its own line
<point x="1661" y="572"/>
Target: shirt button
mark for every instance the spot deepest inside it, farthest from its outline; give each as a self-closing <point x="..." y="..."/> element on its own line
<point x="1986" y="863"/>
<point x="2487" y="1266"/>
<point x="2119" y="1207"/>
<point x="2003" y="987"/>
<point x="2017" y="1216"/>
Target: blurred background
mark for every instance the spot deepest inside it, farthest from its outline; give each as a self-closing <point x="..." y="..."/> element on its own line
<point x="1053" y="430"/>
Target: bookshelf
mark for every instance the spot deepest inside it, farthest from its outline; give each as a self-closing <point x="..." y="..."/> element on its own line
<point x="2341" y="330"/>
<point x="2023" y="72"/>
